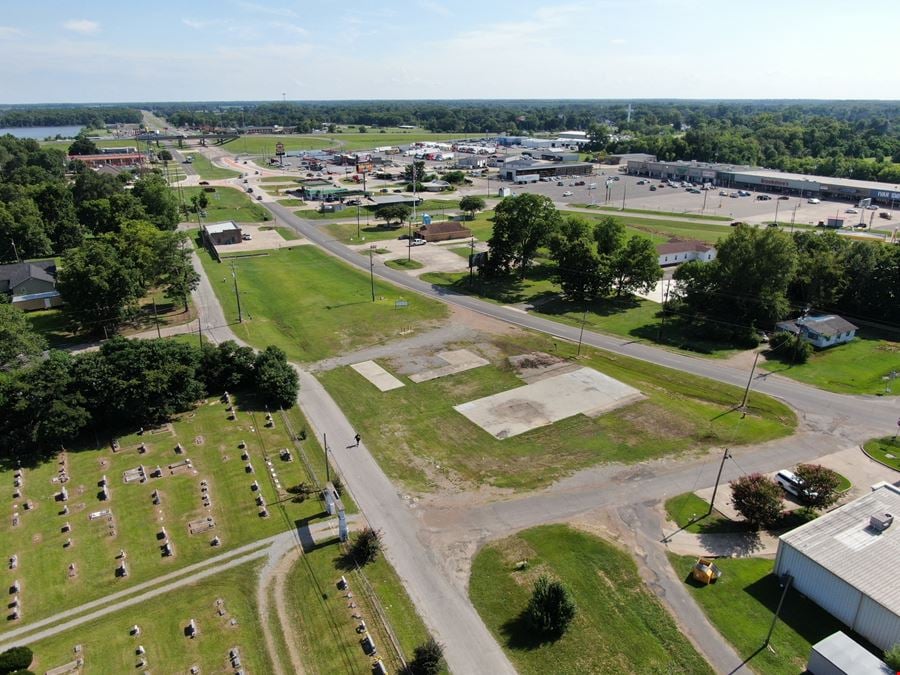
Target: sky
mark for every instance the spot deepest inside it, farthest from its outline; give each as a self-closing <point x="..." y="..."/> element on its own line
<point x="114" y="51"/>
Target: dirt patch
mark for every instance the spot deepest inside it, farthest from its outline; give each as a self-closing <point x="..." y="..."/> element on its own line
<point x="481" y="322"/>
<point x="534" y="366"/>
<point x="648" y="418"/>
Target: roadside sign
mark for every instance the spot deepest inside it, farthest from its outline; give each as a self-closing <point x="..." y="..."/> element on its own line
<point x="400" y="304"/>
<point x="279" y="148"/>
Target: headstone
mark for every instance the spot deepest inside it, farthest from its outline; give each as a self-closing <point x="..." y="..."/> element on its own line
<point x="216" y="541"/>
<point x="135" y="630"/>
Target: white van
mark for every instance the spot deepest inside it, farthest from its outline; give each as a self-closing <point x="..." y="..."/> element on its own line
<point x="791" y="483"/>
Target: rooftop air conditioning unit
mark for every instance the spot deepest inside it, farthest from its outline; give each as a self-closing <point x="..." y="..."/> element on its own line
<point x="881" y="521"/>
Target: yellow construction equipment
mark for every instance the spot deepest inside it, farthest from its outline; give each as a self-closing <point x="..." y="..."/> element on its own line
<point x="705" y="571"/>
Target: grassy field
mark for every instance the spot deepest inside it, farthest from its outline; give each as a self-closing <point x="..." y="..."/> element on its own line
<point x="420" y="440"/>
<point x="313" y="306"/>
<point x="853" y="368"/>
<point x="350" y="139"/>
<point x="108" y="647"/>
<point x="53" y="323"/>
<point x="374" y="231"/>
<point x="209" y="171"/>
<point x="880" y="448"/>
<point x="323" y="625"/>
<point x="229" y="204"/>
<point x="265" y="145"/>
<point x="620" y="626"/>
<point x="688" y="511"/>
<point x="287" y="233"/>
<point x="653" y="212"/>
<point x="404" y="264"/>
<point x="741" y="604"/>
<point x="211" y="442"/>
<point x="290" y="201"/>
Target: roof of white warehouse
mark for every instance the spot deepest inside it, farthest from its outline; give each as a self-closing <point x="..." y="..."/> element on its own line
<point x="217" y="228"/>
<point x="844" y="543"/>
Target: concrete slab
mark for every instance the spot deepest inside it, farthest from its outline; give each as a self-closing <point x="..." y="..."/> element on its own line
<point x="583" y="391"/>
<point x="458" y="360"/>
<point x="377" y="375"/>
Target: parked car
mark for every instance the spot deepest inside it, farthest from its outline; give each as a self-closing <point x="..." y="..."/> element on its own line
<point x="652" y="188"/>
<point x="763" y="198"/>
<point x="204" y="182"/>
<point x="246" y="236"/>
<point x="784" y="197"/>
<point x="872" y="207"/>
<point x="792" y="484"/>
<point x="567" y="193"/>
<point x="417" y="242"/>
<point x="560" y="184"/>
<point x="851" y="211"/>
<point x="581" y="182"/>
<point x="884" y="214"/>
<point x="723" y="193"/>
<point x="259" y="198"/>
<point x="813" y="200"/>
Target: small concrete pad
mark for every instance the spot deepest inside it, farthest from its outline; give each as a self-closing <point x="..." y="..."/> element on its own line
<point x="458" y="360"/>
<point x="582" y="391"/>
<point x="377" y="375"/>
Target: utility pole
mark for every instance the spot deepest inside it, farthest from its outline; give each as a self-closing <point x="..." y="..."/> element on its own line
<point x="705" y="195"/>
<point x="794" y="216"/>
<point x="372" y="269"/>
<point x="15" y="250"/>
<point x="624" y="192"/>
<point x="712" y="501"/>
<point x="200" y="331"/>
<point x="357" y="220"/>
<point x="581" y="332"/>
<point x="471" y="259"/>
<point x="662" y="324"/>
<point x="156" y="319"/>
<point x="415" y="197"/>
<point x="786" y="580"/>
<point x="327" y="467"/>
<point x="237" y="295"/>
<point x="777" y="204"/>
<point x="749" y="382"/>
<point x="409" y="242"/>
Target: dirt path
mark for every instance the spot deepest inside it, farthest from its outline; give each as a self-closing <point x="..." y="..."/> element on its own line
<point x="262" y="604"/>
<point x="280" y="574"/>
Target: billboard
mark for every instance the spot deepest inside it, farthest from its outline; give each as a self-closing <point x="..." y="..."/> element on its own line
<point x="279" y="148"/>
<point x="364" y="167"/>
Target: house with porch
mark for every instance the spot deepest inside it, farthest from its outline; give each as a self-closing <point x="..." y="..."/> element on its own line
<point x="30" y="285"/>
<point x="820" y="331"/>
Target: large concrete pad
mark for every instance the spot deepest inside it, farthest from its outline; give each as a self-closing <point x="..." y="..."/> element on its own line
<point x="582" y="391"/>
<point x="457" y="361"/>
<point x="377" y="375"/>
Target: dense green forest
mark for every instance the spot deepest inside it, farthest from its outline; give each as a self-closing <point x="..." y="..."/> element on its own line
<point x="94" y="117"/>
<point x="855" y="139"/>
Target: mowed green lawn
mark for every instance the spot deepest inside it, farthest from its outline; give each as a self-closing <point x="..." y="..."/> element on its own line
<point x="420" y="440"/>
<point x="207" y="170"/>
<point x="619" y="627"/>
<point x="314" y="306"/>
<point x="108" y="647"/>
<point x="255" y="144"/>
<point x="211" y="441"/>
<point x="676" y="214"/>
<point x="322" y="624"/>
<point x="885" y="450"/>
<point x="741" y="605"/>
<point x="351" y="139"/>
<point x="857" y="367"/>
<point x="228" y="204"/>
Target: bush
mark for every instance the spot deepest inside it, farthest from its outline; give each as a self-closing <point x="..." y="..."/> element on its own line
<point x="366" y="546"/>
<point x="892" y="657"/>
<point x="551" y="607"/>
<point x="789" y="348"/>
<point x="757" y="498"/>
<point x="15" y="658"/>
<point x="428" y="659"/>
<point x="276" y="381"/>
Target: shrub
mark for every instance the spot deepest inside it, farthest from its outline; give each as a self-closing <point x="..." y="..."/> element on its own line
<point x="366" y="546"/>
<point x="820" y="485"/>
<point x="551" y="607"/>
<point x="892" y="657"/>
<point x="15" y="658"/>
<point x="428" y="659"/>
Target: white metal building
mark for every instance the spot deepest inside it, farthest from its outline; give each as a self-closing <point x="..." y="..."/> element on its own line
<point x="848" y="562"/>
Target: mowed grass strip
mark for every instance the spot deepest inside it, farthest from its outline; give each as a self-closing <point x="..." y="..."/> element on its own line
<point x="227" y="204"/>
<point x="257" y="144"/>
<point x="323" y="625"/>
<point x="420" y="440"/>
<point x="314" y="306"/>
<point x="620" y="626"/>
<point x="674" y="214"/>
<point x="108" y="648"/>
<point x="211" y="441"/>
<point x="886" y="450"/>
<point x="741" y="605"/>
<point x="857" y="367"/>
<point x="207" y="170"/>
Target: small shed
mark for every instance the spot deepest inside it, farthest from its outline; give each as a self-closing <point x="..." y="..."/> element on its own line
<point x="838" y="654"/>
<point x="820" y="331"/>
<point x="224" y="233"/>
<point x="678" y="251"/>
<point x="444" y="230"/>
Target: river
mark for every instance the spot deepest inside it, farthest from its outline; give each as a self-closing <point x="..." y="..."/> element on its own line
<point x="40" y="133"/>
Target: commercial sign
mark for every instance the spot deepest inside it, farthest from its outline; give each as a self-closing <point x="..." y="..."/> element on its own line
<point x="709" y="174"/>
<point x="775" y="181"/>
<point x="364" y="167"/>
<point x="885" y="194"/>
<point x="279" y="148"/>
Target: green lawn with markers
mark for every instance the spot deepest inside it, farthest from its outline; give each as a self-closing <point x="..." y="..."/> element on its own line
<point x="227" y="203"/>
<point x="620" y="626"/>
<point x="207" y="170"/>
<point x="211" y="441"/>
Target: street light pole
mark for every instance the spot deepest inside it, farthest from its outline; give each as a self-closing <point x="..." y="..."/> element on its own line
<point x="372" y="269"/>
<point x="237" y="295"/>
<point x="712" y="501"/>
<point x="357" y="222"/>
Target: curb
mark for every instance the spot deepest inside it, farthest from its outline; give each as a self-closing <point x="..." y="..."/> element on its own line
<point x="875" y="459"/>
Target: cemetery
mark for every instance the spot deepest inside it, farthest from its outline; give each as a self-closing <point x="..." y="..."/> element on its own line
<point x="94" y="520"/>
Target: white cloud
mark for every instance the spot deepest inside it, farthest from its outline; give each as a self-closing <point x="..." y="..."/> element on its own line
<point x="194" y="23"/>
<point x="85" y="26"/>
<point x="263" y="9"/>
<point x="434" y="7"/>
<point x="7" y="32"/>
<point x="289" y="27"/>
<point x="618" y="41"/>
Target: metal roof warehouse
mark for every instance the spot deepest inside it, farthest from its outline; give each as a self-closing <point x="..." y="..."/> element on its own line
<point x="848" y="562"/>
<point x="767" y="180"/>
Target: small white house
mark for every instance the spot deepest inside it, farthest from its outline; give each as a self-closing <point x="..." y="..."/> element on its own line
<point x="820" y="331"/>
<point x="848" y="563"/>
<point x="676" y="252"/>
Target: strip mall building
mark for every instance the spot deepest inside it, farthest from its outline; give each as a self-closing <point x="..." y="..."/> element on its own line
<point x="767" y="180"/>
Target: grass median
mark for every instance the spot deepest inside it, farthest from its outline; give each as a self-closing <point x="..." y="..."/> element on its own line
<point x="619" y="627"/>
<point x="228" y="204"/>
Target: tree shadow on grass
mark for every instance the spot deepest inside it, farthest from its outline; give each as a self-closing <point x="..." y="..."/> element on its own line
<point x="520" y="635"/>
